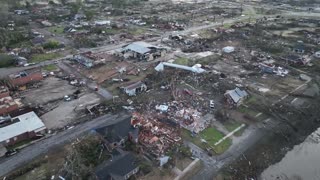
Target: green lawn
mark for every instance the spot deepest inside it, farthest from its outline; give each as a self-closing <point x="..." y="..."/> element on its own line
<point x="137" y="31"/>
<point x="21" y="143"/>
<point x="111" y="31"/>
<point x="56" y="29"/>
<point x="50" y="67"/>
<point x="211" y="135"/>
<point x="181" y="61"/>
<point x="36" y="58"/>
<point x="232" y="125"/>
<point x="247" y="110"/>
<point x="195" y="139"/>
<point x="223" y="146"/>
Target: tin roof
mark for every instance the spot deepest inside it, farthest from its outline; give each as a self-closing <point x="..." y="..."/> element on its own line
<point x="139" y="47"/>
<point x="237" y="94"/>
<point x="21" y="124"/>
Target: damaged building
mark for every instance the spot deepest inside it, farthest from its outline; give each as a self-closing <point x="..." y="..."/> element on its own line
<point x="25" y="77"/>
<point x="142" y="51"/>
<point x="7" y="103"/>
<point x="83" y="60"/>
<point x="89" y="59"/>
<point x="19" y="128"/>
<point x="121" y="167"/>
<point x="117" y="134"/>
<point x="293" y="59"/>
<point x="135" y="88"/>
<point x="236" y="96"/>
<point x="157" y="137"/>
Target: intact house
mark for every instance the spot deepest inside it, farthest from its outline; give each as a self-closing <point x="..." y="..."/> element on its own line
<point x="135" y="88"/>
<point x="293" y="59"/>
<point x="142" y="51"/>
<point x="116" y="135"/>
<point x="236" y="96"/>
<point x="19" y="128"/>
<point x="25" y="77"/>
<point x="119" y="168"/>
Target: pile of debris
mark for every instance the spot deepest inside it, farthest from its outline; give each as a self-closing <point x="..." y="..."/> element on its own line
<point x="155" y="135"/>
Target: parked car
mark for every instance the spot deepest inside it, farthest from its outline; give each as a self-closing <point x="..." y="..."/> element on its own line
<point x="211" y="104"/>
<point x="11" y="152"/>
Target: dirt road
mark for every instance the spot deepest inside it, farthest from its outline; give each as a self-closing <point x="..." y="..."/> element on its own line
<point x="40" y="148"/>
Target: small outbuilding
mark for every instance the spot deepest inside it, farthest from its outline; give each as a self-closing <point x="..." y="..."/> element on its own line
<point x="135" y="88"/>
<point x="236" y="96"/>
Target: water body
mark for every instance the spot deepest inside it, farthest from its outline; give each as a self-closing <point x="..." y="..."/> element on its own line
<point x="301" y="163"/>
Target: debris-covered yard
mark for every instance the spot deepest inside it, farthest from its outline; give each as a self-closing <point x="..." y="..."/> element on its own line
<point x="58" y="102"/>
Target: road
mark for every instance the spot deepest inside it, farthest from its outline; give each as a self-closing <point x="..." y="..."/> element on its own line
<point x="40" y="148"/>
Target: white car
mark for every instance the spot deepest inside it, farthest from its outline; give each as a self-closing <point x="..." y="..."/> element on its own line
<point x="211" y="104"/>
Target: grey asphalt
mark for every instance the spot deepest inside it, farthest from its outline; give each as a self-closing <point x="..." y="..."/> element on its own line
<point x="4" y="72"/>
<point x="40" y="148"/>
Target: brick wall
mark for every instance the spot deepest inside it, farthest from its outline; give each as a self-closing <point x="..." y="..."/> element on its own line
<point x="28" y="79"/>
<point x="19" y="138"/>
<point x="4" y="94"/>
<point x="7" y="110"/>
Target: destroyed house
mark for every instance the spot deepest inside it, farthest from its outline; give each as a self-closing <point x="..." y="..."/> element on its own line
<point x="236" y="96"/>
<point x="116" y="135"/>
<point x="4" y="92"/>
<point x="135" y="88"/>
<point x="296" y="60"/>
<point x="142" y="51"/>
<point x="7" y="105"/>
<point x="25" y="77"/>
<point x="19" y="128"/>
<point x="38" y="41"/>
<point x="299" y="48"/>
<point x="84" y="60"/>
<point x="121" y="167"/>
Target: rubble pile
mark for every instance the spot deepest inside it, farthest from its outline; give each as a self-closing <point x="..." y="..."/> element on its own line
<point x="191" y="119"/>
<point x="155" y="135"/>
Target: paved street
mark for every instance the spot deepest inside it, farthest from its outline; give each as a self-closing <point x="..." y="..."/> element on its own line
<point x="29" y="153"/>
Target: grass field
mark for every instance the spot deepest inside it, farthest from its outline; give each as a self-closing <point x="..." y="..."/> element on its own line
<point x="211" y="136"/>
<point x="181" y="61"/>
<point x="50" y="67"/>
<point x="56" y="29"/>
<point x="36" y="58"/>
